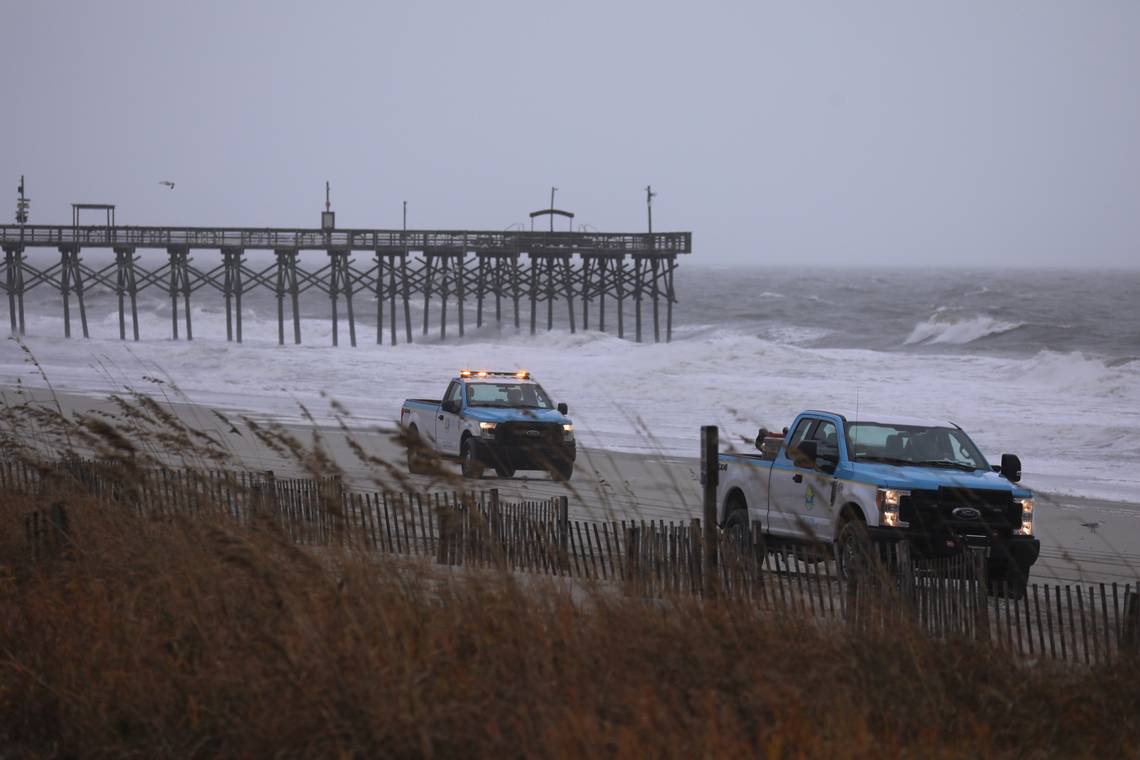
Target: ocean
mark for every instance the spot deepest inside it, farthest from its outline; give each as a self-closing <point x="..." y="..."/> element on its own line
<point x="1042" y="364"/>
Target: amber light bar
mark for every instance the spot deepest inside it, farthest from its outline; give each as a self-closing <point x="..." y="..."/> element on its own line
<point x="521" y="374"/>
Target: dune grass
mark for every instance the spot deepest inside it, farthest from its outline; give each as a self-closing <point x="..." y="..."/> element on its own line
<point x="197" y="636"/>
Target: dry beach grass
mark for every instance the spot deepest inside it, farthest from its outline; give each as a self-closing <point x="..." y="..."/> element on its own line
<point x="198" y="636"/>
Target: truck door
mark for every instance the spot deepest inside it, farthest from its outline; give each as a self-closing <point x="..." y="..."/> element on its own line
<point x="787" y="489"/>
<point x="447" y="426"/>
<point x="819" y="486"/>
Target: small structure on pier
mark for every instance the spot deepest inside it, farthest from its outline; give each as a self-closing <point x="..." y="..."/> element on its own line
<point x="535" y="268"/>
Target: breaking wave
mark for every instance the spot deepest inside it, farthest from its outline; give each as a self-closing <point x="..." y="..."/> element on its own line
<point x="948" y="328"/>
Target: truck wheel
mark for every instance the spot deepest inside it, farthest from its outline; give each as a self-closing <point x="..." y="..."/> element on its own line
<point x="739" y="533"/>
<point x="416" y="463"/>
<point x="503" y="471"/>
<point x="472" y="467"/>
<point x="562" y="472"/>
<point x="852" y="547"/>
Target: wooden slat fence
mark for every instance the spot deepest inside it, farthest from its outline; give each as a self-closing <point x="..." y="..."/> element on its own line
<point x="1085" y="623"/>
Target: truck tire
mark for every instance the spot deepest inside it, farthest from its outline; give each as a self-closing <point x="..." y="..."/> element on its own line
<point x="416" y="463"/>
<point x="739" y="534"/>
<point x="472" y="467"/>
<point x="504" y="471"/>
<point x="562" y="472"/>
<point x="852" y="547"/>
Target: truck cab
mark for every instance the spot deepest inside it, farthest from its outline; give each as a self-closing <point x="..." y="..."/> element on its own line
<point x="504" y="420"/>
<point x="838" y="480"/>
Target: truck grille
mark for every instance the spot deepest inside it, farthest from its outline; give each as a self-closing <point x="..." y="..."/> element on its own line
<point x="528" y="433"/>
<point x="965" y="511"/>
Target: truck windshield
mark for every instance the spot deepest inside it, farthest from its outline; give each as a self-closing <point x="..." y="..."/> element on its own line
<point x="513" y="395"/>
<point x="913" y="444"/>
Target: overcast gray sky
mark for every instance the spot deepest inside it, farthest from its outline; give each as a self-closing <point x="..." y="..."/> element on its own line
<point x="879" y="133"/>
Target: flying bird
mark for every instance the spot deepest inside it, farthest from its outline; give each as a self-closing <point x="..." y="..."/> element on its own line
<point x="167" y="182"/>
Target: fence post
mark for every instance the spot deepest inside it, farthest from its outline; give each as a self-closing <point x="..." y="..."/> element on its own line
<point x="564" y="532"/>
<point x="710" y="445"/>
<point x="905" y="572"/>
<point x="61" y="527"/>
<point x="443" y="523"/>
<point x="633" y="557"/>
<point x="855" y="578"/>
<point x="270" y="491"/>
<point x="981" y="594"/>
<point x="1130" y="638"/>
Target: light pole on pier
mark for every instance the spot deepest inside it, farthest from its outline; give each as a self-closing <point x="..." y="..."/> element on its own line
<point x="328" y="216"/>
<point x="649" y="195"/>
<point x="22" y="204"/>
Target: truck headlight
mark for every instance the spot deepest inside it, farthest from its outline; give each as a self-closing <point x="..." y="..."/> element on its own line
<point x="568" y="431"/>
<point x="889" y="500"/>
<point x="487" y="429"/>
<point x="1026" y="505"/>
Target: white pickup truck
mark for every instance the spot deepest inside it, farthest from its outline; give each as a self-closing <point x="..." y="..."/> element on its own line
<point x="849" y="483"/>
<point x="503" y="420"/>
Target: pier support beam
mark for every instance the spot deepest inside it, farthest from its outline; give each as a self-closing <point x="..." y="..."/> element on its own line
<point x="379" y="260"/>
<point x="179" y="284"/>
<point x="568" y="289"/>
<point x="126" y="286"/>
<point x="549" y="275"/>
<point x="604" y="264"/>
<point x="71" y="277"/>
<point x="428" y="266"/>
<point x="480" y="289"/>
<point x="14" y="284"/>
<point x="587" y="265"/>
<point x="620" y="273"/>
<point x="655" y="292"/>
<point x="232" y="289"/>
<point x="406" y="288"/>
<point x="286" y="285"/>
<point x="392" y="298"/>
<point x="638" y="286"/>
<point x="340" y="283"/>
<point x="459" y="269"/>
<point x="444" y="292"/>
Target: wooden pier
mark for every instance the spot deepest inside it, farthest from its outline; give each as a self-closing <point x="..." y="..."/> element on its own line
<point x="511" y="272"/>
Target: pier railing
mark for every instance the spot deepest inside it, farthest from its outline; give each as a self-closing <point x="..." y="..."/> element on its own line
<point x="484" y="241"/>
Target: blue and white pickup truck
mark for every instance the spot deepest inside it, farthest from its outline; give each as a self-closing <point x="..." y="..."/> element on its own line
<point x="503" y="420"/>
<point x="852" y="483"/>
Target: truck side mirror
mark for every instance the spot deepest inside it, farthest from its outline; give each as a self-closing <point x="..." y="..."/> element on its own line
<point x="563" y="409"/>
<point x="1011" y="467"/>
<point x="451" y="406"/>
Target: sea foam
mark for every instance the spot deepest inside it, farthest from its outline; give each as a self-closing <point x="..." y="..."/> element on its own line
<point x="1070" y="417"/>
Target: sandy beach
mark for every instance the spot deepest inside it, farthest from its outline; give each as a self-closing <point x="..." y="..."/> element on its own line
<point x="1083" y="539"/>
